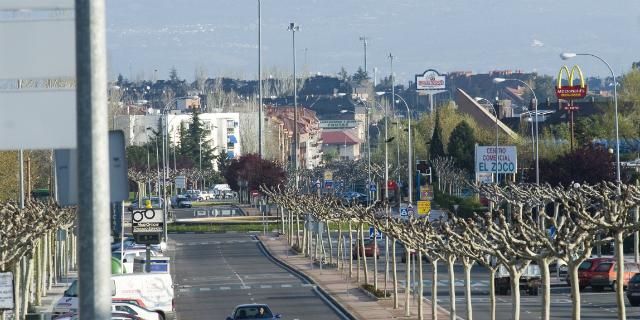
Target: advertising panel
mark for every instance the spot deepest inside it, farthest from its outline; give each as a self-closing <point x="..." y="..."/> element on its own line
<point x="430" y="80"/>
<point x="486" y="159"/>
<point x="571" y="92"/>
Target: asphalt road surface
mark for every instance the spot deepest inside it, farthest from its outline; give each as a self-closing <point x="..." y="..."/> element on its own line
<point x="215" y="272"/>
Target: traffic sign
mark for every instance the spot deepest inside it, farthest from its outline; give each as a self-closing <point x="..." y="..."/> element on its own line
<point x="147" y="225"/>
<point x="181" y="182"/>
<point x="328" y="184"/>
<point x="6" y="291"/>
<point x="328" y="175"/>
<point x="378" y="233"/>
<point x="404" y="212"/>
<point x="372" y="187"/>
<point x="422" y="166"/>
<point x="410" y="210"/>
<point x="424" y="207"/>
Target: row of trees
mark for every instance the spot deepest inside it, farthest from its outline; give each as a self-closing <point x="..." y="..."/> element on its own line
<point x="514" y="234"/>
<point x="37" y="244"/>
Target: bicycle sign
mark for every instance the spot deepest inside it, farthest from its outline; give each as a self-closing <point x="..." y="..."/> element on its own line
<point x="147" y="221"/>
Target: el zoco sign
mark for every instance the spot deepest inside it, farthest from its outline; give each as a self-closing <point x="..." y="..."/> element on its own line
<point x="571" y="91"/>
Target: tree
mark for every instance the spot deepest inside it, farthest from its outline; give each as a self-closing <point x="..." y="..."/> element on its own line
<point x="360" y="75"/>
<point x="462" y="145"/>
<point x="173" y="75"/>
<point x="194" y="144"/>
<point x="585" y="165"/>
<point x="343" y="74"/>
<point x="255" y="171"/>
<point x="436" y="149"/>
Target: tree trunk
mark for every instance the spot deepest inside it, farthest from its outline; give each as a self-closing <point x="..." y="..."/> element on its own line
<point x="514" y="276"/>
<point x="28" y="277"/>
<point x="546" y="288"/>
<point x="407" y="286"/>
<point x="467" y="264"/>
<point x="330" y="243"/>
<point x="364" y="255"/>
<point x="492" y="294"/>
<point x="339" y="251"/>
<point x="420" y="287"/>
<point x="375" y="260"/>
<point x="575" y="289"/>
<point x="38" y="275"/>
<point x="298" y="230"/>
<point x="305" y="227"/>
<point x="434" y="288"/>
<point x="394" y="274"/>
<point x="350" y="249"/>
<point x="281" y="210"/>
<point x="452" y="287"/>
<point x="618" y="241"/>
<point x="17" y="276"/>
<point x="386" y="258"/>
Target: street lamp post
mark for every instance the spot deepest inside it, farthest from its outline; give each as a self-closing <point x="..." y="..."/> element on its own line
<point x="569" y="55"/>
<point x="495" y="112"/>
<point x="260" y="133"/>
<point x="410" y="153"/>
<point x="294" y="28"/>
<point x="535" y="106"/>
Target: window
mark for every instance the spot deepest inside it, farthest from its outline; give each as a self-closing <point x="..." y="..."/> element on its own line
<point x="586" y="265"/>
<point x="604" y="267"/>
<point x="207" y="125"/>
<point x="126" y="309"/>
<point x="230" y="124"/>
<point x="230" y="145"/>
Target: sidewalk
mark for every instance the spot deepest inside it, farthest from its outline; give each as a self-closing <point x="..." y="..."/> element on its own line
<point x="53" y="295"/>
<point x="346" y="291"/>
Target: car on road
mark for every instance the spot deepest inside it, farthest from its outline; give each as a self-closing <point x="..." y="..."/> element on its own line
<point x="155" y="203"/>
<point x="130" y="243"/>
<point x="204" y="195"/>
<point x="369" y="249"/>
<point x="605" y="274"/>
<point x="529" y="280"/>
<point x="252" y="311"/>
<point x="135" y="310"/>
<point x="181" y="201"/>
<point x="586" y="269"/>
<point x="114" y="316"/>
<point x="633" y="290"/>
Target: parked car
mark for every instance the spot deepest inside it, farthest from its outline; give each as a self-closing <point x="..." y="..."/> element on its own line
<point x="204" y="195"/>
<point x="529" y="280"/>
<point x="252" y="311"/>
<point x="413" y="254"/>
<point x="135" y="310"/>
<point x="368" y="249"/>
<point x="633" y="290"/>
<point x="114" y="316"/>
<point x="586" y="269"/>
<point x="181" y="201"/>
<point x="605" y="273"/>
<point x="130" y="243"/>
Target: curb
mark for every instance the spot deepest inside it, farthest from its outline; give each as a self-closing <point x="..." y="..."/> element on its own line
<point x="328" y="299"/>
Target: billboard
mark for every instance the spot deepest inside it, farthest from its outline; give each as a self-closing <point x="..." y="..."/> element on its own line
<point x="507" y="159"/>
<point x="571" y="92"/>
<point x="430" y="80"/>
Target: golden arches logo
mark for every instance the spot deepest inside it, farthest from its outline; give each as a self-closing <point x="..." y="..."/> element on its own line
<point x="571" y="91"/>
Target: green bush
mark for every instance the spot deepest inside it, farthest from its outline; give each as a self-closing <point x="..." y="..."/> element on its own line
<point x="377" y="293"/>
<point x="467" y="206"/>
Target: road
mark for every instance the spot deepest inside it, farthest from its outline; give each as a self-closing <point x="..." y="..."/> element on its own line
<point x="215" y="272"/>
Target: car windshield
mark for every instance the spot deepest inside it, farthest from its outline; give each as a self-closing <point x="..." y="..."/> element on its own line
<point x="253" y="312"/>
<point x="604" y="267"/>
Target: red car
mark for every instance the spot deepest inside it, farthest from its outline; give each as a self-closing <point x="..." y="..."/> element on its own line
<point x="368" y="249"/>
<point x="587" y="269"/>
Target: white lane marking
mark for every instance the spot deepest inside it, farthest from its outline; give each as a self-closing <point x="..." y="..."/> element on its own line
<point x="265" y="286"/>
<point x="285" y="286"/>
<point x="184" y="290"/>
<point x="205" y="289"/>
<point x="225" y="288"/>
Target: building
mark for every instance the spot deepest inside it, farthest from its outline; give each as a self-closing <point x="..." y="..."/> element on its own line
<point x="345" y="143"/>
<point x="280" y="125"/>
<point x="185" y="104"/>
<point x="222" y="129"/>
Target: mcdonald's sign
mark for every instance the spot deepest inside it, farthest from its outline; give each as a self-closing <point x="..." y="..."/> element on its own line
<point x="571" y="92"/>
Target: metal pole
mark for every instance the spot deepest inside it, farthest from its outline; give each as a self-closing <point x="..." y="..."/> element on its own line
<point x="495" y="111"/>
<point x="368" y="156"/>
<point x="260" y="133"/>
<point x="21" y="179"/>
<point x="93" y="160"/>
<point x="157" y="169"/>
<point x="293" y="28"/>
<point x="410" y="152"/>
<point x="535" y="108"/>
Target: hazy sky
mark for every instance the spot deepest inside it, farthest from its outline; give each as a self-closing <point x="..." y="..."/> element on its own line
<point x="447" y="35"/>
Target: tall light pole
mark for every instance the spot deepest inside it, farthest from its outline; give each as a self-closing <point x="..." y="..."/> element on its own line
<point x="410" y="151"/>
<point x="535" y="107"/>
<point x="294" y="28"/>
<point x="260" y="133"/>
<point x="364" y="42"/>
<point x="569" y="55"/>
<point x="157" y="164"/>
<point x="495" y="113"/>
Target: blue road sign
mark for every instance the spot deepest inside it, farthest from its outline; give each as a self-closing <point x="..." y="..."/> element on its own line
<point x="404" y="212"/>
<point x="372" y="187"/>
<point x="378" y="233"/>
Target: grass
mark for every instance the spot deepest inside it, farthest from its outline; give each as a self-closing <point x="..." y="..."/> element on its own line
<point x="377" y="293"/>
<point x="220" y="227"/>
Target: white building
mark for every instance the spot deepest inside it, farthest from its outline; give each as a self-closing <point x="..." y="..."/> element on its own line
<point x="222" y="129"/>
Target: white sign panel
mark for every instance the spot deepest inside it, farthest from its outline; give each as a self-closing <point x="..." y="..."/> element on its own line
<point x="430" y="80"/>
<point x="507" y="157"/>
<point x="6" y="290"/>
<point x="147" y="221"/>
<point x="37" y="83"/>
<point x="181" y="182"/>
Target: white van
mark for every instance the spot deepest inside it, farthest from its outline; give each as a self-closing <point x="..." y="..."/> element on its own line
<point x="154" y="290"/>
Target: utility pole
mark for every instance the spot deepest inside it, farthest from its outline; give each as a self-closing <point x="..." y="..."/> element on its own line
<point x="93" y="160"/>
<point x="364" y="42"/>
<point x="260" y="134"/>
<point x="294" y="28"/>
